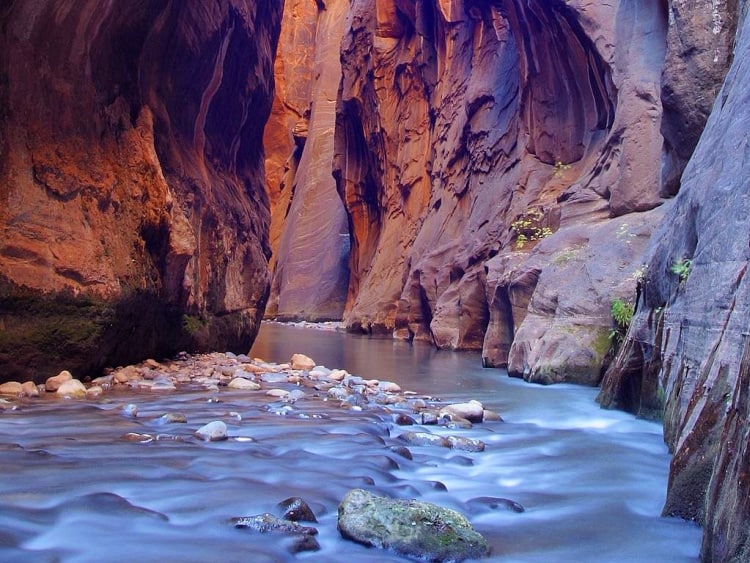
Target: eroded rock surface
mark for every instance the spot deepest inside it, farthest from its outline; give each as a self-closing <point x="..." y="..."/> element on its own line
<point x="412" y="528"/>
<point x="467" y="132"/>
<point x="309" y="231"/>
<point x="133" y="214"/>
<point x="687" y="351"/>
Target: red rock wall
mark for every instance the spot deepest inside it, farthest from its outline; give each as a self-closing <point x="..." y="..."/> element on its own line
<point x="132" y="182"/>
<point x="456" y="120"/>
<point x="309" y="230"/>
<point x="452" y="118"/>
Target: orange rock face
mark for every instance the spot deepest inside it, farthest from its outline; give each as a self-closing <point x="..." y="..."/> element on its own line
<point x="479" y="148"/>
<point x="131" y="183"/>
<point x="309" y="230"/>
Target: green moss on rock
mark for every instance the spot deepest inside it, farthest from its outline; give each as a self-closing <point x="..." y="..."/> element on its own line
<point x="409" y="527"/>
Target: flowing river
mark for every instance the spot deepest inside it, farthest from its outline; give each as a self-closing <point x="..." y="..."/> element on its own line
<point x="592" y="482"/>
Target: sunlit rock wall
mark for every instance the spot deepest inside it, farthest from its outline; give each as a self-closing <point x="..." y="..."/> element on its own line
<point x="309" y="231"/>
<point x="688" y="350"/>
<point x="133" y="214"/>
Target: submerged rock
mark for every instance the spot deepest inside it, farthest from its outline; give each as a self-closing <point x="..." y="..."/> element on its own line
<point x="267" y="522"/>
<point x="453" y="442"/>
<point x="409" y="527"/>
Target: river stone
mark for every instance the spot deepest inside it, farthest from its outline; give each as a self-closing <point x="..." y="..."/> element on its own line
<point x="11" y="388"/>
<point x="212" y="432"/>
<point x="300" y="361"/>
<point x="71" y="388"/>
<point x="338" y="374"/>
<point x="338" y="393"/>
<point x="138" y="437"/>
<point x="172" y="417"/>
<point x="479" y="504"/>
<point x="53" y="383"/>
<point x="274" y="377"/>
<point x="130" y="410"/>
<point x="280" y="393"/>
<point x="453" y="442"/>
<point x="305" y="542"/>
<point x="295" y="395"/>
<point x="473" y="411"/>
<point x="296" y="509"/>
<point x="409" y="527"/>
<point x="465" y="444"/>
<point x="423" y="439"/>
<point x="243" y="384"/>
<point x="492" y="416"/>
<point x="389" y="387"/>
<point x="94" y="391"/>
<point x="163" y="385"/>
<point x="30" y="389"/>
<point x="267" y="522"/>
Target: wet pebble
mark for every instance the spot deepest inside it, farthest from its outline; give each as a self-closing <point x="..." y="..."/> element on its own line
<point x="296" y="509"/>
<point x="212" y="432"/>
<point x="240" y="383"/>
<point x="12" y="389"/>
<point x="53" y="383"/>
<point x="71" y="388"/>
<point x="301" y="362"/>
<point x="172" y="417"/>
<point x="267" y="522"/>
<point x="138" y="437"/>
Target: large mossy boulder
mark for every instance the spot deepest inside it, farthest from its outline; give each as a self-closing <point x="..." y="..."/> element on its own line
<point x="409" y="527"/>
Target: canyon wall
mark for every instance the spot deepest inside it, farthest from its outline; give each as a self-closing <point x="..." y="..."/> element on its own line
<point x="502" y="165"/>
<point x="688" y="349"/>
<point x="309" y="229"/>
<point x="133" y="214"/>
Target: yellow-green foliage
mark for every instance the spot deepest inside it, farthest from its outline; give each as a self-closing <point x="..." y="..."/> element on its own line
<point x="528" y="227"/>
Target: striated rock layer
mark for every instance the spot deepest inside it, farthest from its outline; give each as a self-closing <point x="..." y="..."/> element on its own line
<point x="688" y="349"/>
<point x="133" y="215"/>
<point x="309" y="230"/>
<point x="501" y="164"/>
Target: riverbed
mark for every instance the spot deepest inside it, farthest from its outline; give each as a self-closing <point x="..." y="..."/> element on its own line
<point x="592" y="482"/>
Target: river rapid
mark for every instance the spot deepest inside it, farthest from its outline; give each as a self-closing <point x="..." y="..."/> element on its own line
<point x="592" y="482"/>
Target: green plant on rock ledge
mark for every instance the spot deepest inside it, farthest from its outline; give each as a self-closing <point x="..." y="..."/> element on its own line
<point x="528" y="227"/>
<point x="622" y="313"/>
<point x="682" y="268"/>
<point x="560" y="168"/>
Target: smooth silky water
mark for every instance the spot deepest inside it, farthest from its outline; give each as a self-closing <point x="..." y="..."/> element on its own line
<point x="592" y="481"/>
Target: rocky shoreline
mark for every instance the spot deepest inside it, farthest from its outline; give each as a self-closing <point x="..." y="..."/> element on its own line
<point x="281" y="388"/>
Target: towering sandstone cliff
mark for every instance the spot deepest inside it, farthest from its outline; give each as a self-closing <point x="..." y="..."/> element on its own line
<point x="502" y="165"/>
<point x="463" y="126"/>
<point x="133" y="214"/>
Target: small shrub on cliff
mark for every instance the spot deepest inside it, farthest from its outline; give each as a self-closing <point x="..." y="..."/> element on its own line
<point x="528" y="227"/>
<point x="682" y="268"/>
<point x="622" y="313"/>
<point x="560" y="168"/>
